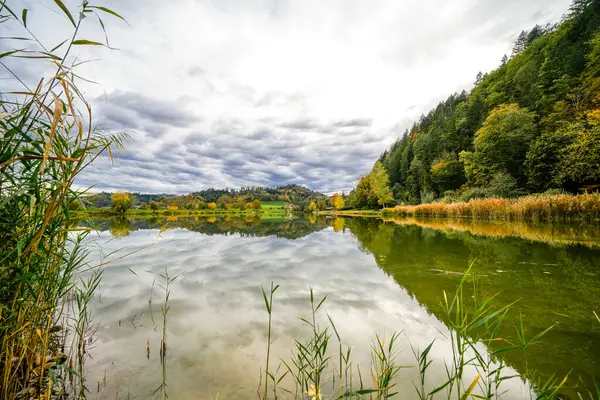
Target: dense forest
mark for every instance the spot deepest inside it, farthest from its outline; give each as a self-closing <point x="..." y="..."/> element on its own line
<point x="530" y="126"/>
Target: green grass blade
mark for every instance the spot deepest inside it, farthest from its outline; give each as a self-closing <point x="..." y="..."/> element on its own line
<point x="108" y="11"/>
<point x="62" y="6"/>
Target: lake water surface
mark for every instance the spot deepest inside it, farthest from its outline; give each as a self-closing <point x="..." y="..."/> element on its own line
<point x="379" y="276"/>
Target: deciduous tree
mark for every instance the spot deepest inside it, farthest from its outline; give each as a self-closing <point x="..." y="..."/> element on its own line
<point x="337" y="201"/>
<point x="121" y="201"/>
<point x="581" y="163"/>
<point x="447" y="174"/>
<point x="380" y="185"/>
<point x="502" y="143"/>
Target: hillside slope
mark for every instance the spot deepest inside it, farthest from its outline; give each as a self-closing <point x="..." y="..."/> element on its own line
<point x="531" y="125"/>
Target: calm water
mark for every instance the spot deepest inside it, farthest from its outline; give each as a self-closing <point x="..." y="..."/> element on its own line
<point x="379" y="277"/>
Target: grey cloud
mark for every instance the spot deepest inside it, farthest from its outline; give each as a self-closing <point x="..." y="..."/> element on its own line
<point x="130" y="108"/>
<point x="196" y="71"/>
<point x="268" y="155"/>
<point x="233" y="165"/>
<point x="261" y="134"/>
<point x="301" y="125"/>
<point x="131" y="156"/>
<point x="226" y="126"/>
<point x="354" y="123"/>
<point x="118" y="119"/>
<point x="153" y="131"/>
<point x="206" y="151"/>
<point x="196" y="138"/>
<point x="268" y="99"/>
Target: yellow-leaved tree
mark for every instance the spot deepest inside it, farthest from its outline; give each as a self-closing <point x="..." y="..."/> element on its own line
<point x="337" y="201"/>
<point x="122" y="201"/>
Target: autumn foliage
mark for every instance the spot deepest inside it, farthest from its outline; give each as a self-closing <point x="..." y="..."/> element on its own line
<point x="122" y="201"/>
<point x="562" y="207"/>
<point x="337" y="201"/>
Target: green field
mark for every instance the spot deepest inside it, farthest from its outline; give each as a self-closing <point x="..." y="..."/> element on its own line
<point x="268" y="207"/>
<point x="273" y="205"/>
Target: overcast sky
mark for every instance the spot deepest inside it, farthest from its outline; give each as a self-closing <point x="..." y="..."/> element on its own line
<point x="230" y="93"/>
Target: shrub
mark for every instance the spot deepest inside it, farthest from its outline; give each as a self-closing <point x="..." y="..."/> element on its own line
<point x="503" y="185"/>
<point x="473" y="193"/>
<point x="553" y="192"/>
<point x="427" y="196"/>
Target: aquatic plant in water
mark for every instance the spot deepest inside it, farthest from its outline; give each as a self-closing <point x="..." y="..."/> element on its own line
<point x="476" y="368"/>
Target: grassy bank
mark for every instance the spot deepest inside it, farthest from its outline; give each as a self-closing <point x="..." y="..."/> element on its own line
<point x="533" y="208"/>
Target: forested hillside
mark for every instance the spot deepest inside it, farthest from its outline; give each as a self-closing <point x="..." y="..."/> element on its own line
<point x="291" y="193"/>
<point x="295" y="194"/>
<point x="531" y="125"/>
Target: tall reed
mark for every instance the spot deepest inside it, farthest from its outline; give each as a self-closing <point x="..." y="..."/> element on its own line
<point x="269" y="307"/>
<point x="164" y="310"/>
<point x="532" y="208"/>
<point x="46" y="139"/>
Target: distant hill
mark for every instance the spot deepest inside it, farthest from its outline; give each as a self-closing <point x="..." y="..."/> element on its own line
<point x="295" y="194"/>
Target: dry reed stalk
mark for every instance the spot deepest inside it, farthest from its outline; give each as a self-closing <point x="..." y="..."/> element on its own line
<point x="531" y="208"/>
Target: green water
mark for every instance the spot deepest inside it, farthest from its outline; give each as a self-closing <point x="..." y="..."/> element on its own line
<point x="379" y="276"/>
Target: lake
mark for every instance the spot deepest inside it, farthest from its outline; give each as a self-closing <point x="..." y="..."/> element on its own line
<point x="380" y="277"/>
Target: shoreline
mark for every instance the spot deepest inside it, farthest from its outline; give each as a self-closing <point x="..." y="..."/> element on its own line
<point x="560" y="208"/>
<point x="150" y="213"/>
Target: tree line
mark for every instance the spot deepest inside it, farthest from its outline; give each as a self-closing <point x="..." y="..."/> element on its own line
<point x="120" y="202"/>
<point x="243" y="198"/>
<point x="530" y="126"/>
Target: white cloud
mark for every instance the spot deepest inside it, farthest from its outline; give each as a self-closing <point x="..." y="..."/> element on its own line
<point x="245" y="92"/>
